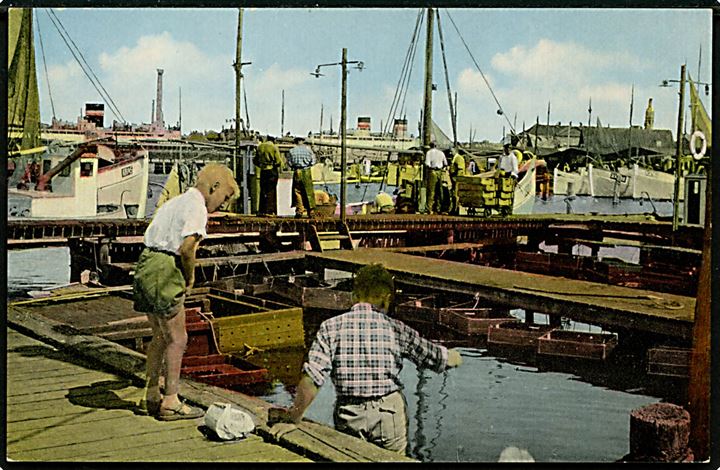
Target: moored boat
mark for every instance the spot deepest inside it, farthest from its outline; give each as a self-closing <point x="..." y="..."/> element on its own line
<point x="97" y="180"/>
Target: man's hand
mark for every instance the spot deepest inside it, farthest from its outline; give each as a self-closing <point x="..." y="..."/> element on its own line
<point x="454" y="358"/>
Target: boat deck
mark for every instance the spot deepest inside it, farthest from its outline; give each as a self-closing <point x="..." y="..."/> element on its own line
<point x="601" y="304"/>
<point x="60" y="408"/>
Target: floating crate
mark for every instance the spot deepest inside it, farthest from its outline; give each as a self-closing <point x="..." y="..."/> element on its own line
<point x="669" y="361"/>
<point x="242" y="321"/>
<point x="462" y="316"/>
<point x="223" y="370"/>
<point x="516" y="335"/>
<point x="470" y="320"/>
<point x="574" y="344"/>
<point x="309" y="292"/>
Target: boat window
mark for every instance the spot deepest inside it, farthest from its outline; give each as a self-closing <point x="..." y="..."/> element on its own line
<point x="86" y="169"/>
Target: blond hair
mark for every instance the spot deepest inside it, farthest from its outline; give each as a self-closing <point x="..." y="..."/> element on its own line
<point x="217" y="173"/>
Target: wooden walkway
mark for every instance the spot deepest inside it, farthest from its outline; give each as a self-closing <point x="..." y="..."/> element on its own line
<point x="60" y="408"/>
<point x="613" y="307"/>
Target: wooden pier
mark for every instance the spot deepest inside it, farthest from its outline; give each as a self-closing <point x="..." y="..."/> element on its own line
<point x="612" y="307"/>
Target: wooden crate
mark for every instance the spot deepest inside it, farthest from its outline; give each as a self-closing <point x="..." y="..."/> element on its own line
<point x="470" y="320"/>
<point x="242" y="322"/>
<point x="223" y="370"/>
<point x="307" y="291"/>
<point x="516" y="335"/>
<point x="669" y="361"/>
<point x="575" y="344"/>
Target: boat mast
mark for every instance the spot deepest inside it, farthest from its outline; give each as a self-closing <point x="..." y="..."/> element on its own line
<point x="427" y="106"/>
<point x="240" y="167"/>
<point x="282" y="115"/>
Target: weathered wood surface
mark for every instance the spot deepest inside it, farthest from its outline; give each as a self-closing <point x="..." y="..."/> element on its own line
<point x="605" y="305"/>
<point x="326" y="445"/>
<point x="59" y="409"/>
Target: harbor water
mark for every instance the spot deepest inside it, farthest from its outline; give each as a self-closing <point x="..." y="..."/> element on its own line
<point x="468" y="414"/>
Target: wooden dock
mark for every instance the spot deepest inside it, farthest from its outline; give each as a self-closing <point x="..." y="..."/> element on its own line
<point x="61" y="408"/>
<point x="71" y="396"/>
<point x="612" y="307"/>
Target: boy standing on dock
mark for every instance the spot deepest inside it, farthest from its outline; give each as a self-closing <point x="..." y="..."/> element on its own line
<point x="435" y="163"/>
<point x="362" y="352"/>
<point x="164" y="273"/>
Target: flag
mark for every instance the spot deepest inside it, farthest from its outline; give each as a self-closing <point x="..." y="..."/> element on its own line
<point x="700" y="119"/>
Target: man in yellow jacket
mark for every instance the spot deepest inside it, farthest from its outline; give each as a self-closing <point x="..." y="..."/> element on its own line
<point x="457" y="168"/>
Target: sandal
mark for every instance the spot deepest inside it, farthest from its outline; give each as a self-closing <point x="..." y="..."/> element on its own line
<point x="183" y="411"/>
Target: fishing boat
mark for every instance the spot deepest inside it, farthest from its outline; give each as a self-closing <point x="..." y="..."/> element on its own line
<point x="96" y="180"/>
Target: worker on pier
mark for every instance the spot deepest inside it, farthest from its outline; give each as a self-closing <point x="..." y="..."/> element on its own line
<point x="362" y="352"/>
<point x="269" y="161"/>
<point x="164" y="273"/>
<point x="508" y="162"/>
<point x="384" y="203"/>
<point x="435" y="163"/>
<point x="649" y="115"/>
<point x="300" y="159"/>
<point x="457" y="168"/>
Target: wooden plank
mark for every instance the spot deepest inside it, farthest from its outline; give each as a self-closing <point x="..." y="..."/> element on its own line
<point x="602" y="304"/>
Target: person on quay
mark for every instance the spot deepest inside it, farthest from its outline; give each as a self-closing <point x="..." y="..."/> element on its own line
<point x="164" y="273"/>
<point x="649" y="115"/>
<point x="384" y="203"/>
<point x="435" y="163"/>
<point x="508" y="161"/>
<point x="362" y="352"/>
<point x="300" y="159"/>
<point x="457" y="168"/>
<point x="269" y="161"/>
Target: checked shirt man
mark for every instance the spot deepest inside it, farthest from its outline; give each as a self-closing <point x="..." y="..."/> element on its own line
<point x="301" y="158"/>
<point x="362" y="352"/>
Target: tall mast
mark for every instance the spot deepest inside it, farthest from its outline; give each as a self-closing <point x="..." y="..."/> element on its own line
<point x="427" y="106"/>
<point x="282" y="115"/>
<point x="240" y="170"/>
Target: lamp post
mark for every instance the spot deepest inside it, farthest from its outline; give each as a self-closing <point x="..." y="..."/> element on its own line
<point x="343" y="121"/>
<point x="678" y="146"/>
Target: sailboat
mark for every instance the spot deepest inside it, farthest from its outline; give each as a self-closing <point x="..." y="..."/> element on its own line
<point x="98" y="179"/>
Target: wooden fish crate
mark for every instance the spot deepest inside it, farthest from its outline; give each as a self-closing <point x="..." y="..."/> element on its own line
<point x="327" y="209"/>
<point x="309" y="292"/>
<point x="223" y="370"/>
<point x="243" y="321"/>
<point x="470" y="320"/>
<point x="516" y="335"/>
<point x="575" y="344"/>
<point x="461" y="315"/>
<point x="249" y="284"/>
<point x="669" y="361"/>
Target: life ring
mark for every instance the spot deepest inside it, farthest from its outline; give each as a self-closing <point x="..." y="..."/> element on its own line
<point x="698" y="155"/>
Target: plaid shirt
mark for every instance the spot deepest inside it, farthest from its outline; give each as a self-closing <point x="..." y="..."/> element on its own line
<point x="300" y="157"/>
<point x="362" y="351"/>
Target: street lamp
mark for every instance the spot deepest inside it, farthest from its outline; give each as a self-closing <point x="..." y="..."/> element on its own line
<point x="678" y="147"/>
<point x="360" y="65"/>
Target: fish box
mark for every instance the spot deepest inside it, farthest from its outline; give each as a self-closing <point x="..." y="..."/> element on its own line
<point x="241" y="322"/>
<point x="250" y="284"/>
<point x="470" y="320"/>
<point x="575" y="344"/>
<point x="417" y="310"/>
<point x="507" y="185"/>
<point x="668" y="361"/>
<point x="516" y="335"/>
<point x="199" y="332"/>
<point x="223" y="370"/>
<point x="310" y="292"/>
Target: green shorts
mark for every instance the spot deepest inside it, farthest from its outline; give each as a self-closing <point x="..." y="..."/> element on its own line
<point x="159" y="284"/>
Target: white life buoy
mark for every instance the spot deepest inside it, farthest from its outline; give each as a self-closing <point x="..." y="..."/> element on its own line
<point x="698" y="155"/>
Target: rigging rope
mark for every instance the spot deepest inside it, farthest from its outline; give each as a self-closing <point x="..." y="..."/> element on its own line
<point x="47" y="76"/>
<point x="481" y="72"/>
<point x="447" y="79"/>
<point x="106" y="96"/>
<point x="406" y="71"/>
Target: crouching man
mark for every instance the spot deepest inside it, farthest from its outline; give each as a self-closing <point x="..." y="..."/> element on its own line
<point x="362" y="352"/>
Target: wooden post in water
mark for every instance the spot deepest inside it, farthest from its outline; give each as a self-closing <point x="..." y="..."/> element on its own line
<point x="699" y="384"/>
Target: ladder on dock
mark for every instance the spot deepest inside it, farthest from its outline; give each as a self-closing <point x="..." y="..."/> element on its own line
<point x="325" y="240"/>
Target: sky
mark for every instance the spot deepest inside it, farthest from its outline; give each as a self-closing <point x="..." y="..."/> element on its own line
<point x="532" y="59"/>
